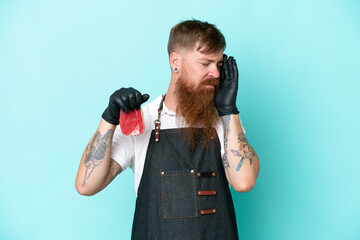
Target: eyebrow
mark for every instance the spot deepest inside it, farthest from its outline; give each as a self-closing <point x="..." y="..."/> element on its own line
<point x="210" y="60"/>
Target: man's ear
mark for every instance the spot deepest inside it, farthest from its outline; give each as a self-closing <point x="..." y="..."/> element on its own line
<point x="175" y="62"/>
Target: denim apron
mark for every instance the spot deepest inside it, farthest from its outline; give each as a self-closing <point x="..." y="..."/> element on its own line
<point x="183" y="194"/>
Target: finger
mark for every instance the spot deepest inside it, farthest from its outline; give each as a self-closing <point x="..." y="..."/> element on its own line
<point x="132" y="101"/>
<point x="226" y="66"/>
<point x="125" y="101"/>
<point x="145" y="97"/>
<point x="222" y="69"/>
<point x="235" y="69"/>
<point x="222" y="75"/>
<point x="122" y="105"/>
<point x="231" y="63"/>
<point x="138" y="100"/>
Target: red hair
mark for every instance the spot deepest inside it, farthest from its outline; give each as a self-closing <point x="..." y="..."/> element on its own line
<point x="186" y="34"/>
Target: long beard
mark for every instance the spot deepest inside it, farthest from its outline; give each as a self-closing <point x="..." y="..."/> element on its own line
<point x="197" y="110"/>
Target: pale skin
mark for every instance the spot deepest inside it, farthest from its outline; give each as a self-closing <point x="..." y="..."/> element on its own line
<point x="241" y="164"/>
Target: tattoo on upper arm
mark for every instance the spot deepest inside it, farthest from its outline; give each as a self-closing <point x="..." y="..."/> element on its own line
<point x="245" y="148"/>
<point x="95" y="152"/>
<point x="226" y="121"/>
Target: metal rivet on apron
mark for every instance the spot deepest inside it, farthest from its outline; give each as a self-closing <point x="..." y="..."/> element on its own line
<point x="206" y="174"/>
<point x="192" y="171"/>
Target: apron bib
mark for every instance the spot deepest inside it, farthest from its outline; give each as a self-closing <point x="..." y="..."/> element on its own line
<point x="183" y="194"/>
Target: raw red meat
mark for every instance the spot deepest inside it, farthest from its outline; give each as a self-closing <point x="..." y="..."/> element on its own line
<point x="131" y="122"/>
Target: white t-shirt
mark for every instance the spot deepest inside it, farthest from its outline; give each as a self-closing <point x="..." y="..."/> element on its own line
<point x="130" y="151"/>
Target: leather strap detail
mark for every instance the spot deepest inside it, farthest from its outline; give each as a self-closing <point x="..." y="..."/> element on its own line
<point x="206" y="174"/>
<point x="157" y="121"/>
<point x="157" y="130"/>
<point x="207" y="193"/>
<point x="208" y="211"/>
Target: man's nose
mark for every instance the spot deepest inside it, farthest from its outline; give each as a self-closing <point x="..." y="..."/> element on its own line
<point x="215" y="72"/>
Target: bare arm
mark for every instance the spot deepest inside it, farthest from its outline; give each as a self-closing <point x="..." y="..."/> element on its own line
<point x="240" y="161"/>
<point x="97" y="169"/>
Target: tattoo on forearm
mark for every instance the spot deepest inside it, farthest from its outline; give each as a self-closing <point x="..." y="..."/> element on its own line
<point x="95" y="152"/>
<point x="226" y="122"/>
<point x="246" y="151"/>
<point x="237" y="153"/>
<point x="115" y="169"/>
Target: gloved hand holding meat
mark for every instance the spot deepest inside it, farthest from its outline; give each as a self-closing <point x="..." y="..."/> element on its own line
<point x="124" y="107"/>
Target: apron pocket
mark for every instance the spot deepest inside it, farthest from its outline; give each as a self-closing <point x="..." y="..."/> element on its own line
<point x="178" y="193"/>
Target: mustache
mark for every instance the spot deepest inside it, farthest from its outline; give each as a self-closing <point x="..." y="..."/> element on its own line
<point x="212" y="81"/>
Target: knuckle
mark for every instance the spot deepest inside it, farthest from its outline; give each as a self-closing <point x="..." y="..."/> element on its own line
<point x="131" y="97"/>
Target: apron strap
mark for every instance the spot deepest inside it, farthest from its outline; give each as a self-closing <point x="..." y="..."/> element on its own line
<point x="157" y="121"/>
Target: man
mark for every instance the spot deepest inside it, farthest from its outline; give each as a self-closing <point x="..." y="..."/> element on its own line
<point x="193" y="146"/>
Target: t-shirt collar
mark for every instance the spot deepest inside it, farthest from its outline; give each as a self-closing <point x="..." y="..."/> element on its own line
<point x="155" y="106"/>
<point x="167" y="111"/>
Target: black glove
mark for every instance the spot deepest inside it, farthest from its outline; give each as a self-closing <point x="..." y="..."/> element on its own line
<point x="126" y="99"/>
<point x="225" y="99"/>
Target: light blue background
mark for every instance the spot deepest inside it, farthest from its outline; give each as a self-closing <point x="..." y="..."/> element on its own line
<point x="298" y="97"/>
